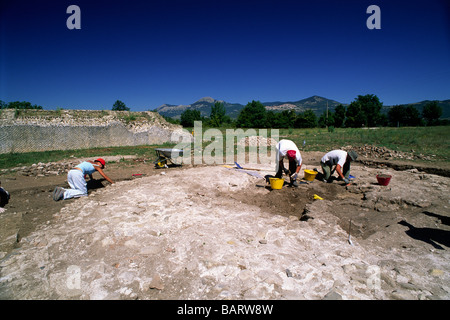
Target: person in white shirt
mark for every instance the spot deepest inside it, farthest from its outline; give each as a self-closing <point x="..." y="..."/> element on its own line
<point x="341" y="159"/>
<point x="288" y="149"/>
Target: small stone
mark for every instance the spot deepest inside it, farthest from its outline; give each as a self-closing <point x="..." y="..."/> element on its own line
<point x="332" y="295"/>
<point x="156" y="283"/>
<point x="288" y="273"/>
<point x="245" y="274"/>
<point x="150" y="250"/>
<point x="131" y="243"/>
<point x="436" y="272"/>
<point x="407" y="285"/>
<point x="42" y="243"/>
<point x="388" y="280"/>
<point x="402" y="295"/>
<point x="263" y="241"/>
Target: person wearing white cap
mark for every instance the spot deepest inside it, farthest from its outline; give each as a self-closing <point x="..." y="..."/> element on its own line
<point x="77" y="181"/>
<point x="341" y="159"/>
<point x="287" y="148"/>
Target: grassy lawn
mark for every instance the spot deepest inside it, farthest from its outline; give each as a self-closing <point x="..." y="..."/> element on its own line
<point x="423" y="140"/>
<point x="11" y="160"/>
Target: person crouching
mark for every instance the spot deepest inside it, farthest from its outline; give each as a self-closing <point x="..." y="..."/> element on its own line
<point x="340" y="160"/>
<point x="77" y="181"/>
<point x="287" y="148"/>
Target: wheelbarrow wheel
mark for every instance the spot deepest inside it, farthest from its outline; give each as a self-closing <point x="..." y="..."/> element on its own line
<point x="161" y="164"/>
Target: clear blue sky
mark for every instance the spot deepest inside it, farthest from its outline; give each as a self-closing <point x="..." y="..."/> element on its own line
<point x="147" y="53"/>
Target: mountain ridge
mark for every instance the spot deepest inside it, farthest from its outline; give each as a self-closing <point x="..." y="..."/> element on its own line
<point x="315" y="103"/>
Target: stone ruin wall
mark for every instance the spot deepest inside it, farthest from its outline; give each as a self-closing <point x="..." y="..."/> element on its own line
<point x="44" y="130"/>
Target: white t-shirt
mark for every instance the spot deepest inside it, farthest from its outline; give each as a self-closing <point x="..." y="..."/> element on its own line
<point x="335" y="157"/>
<point x="283" y="147"/>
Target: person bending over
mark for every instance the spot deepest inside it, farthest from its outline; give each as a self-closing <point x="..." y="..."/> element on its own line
<point x="341" y="160"/>
<point x="288" y="149"/>
<point x="77" y="181"/>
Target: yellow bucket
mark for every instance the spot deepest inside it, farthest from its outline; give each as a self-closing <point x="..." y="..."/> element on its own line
<point x="310" y="175"/>
<point x="276" y="183"/>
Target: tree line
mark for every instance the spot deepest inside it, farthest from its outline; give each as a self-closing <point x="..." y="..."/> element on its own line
<point x="364" y="111"/>
<point x="19" y="105"/>
<point x="117" y="106"/>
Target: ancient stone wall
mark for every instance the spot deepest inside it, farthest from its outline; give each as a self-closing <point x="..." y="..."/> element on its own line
<point x="42" y="130"/>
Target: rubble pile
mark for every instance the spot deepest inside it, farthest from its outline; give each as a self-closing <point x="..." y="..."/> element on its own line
<point x="55" y="168"/>
<point x="43" y="169"/>
<point x="257" y="141"/>
<point x="374" y="152"/>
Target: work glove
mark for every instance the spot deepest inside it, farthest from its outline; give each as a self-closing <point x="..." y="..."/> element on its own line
<point x="347" y="181"/>
<point x="294" y="176"/>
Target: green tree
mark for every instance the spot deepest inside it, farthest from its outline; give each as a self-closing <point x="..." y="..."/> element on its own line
<point x="371" y="106"/>
<point x="404" y="116"/>
<point x="284" y="119"/>
<point x="22" y="105"/>
<point x="271" y="119"/>
<point x="396" y="115"/>
<point x="364" y="111"/>
<point x="189" y="116"/>
<point x="326" y="120"/>
<point x="339" y="116"/>
<point x="412" y="116"/>
<point x="287" y="118"/>
<point x="383" y="120"/>
<point x="217" y="117"/>
<point x="431" y="113"/>
<point x="171" y="120"/>
<point x="119" y="106"/>
<point x="355" y="117"/>
<point x="253" y="115"/>
<point x="307" y="119"/>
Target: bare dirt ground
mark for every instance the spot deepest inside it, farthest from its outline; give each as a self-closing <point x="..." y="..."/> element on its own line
<point x="211" y="232"/>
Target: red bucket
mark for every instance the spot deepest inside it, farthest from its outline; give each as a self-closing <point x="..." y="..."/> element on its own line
<point x="383" y="179"/>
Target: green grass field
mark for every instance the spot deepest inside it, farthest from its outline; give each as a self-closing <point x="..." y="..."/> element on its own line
<point x="424" y="140"/>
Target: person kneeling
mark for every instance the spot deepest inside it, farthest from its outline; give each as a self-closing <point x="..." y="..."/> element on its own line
<point x="341" y="160"/>
<point x="77" y="181"/>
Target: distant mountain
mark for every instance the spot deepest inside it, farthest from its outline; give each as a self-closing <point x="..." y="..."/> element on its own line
<point x="203" y="105"/>
<point x="314" y="103"/>
<point x="444" y="104"/>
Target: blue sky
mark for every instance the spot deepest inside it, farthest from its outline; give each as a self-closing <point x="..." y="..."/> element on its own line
<point x="148" y="53"/>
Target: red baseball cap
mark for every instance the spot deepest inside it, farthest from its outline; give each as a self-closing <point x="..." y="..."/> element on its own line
<point x="291" y="154"/>
<point x="101" y="161"/>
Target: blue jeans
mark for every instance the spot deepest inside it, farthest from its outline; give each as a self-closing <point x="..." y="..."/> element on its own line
<point x="77" y="183"/>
